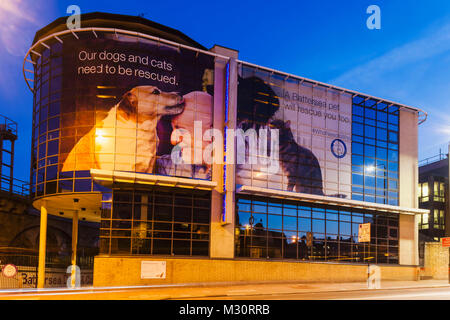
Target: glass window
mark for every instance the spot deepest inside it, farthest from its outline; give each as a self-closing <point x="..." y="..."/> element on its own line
<point x="289" y="223"/>
<point x="275" y="222"/>
<point x="333" y="232"/>
<point x="436" y="217"/>
<point x="166" y="230"/>
<point x="357" y="148"/>
<point x="380" y="144"/>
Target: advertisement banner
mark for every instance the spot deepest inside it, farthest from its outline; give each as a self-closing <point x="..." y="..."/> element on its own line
<point x="123" y="99"/>
<point x="312" y="126"/>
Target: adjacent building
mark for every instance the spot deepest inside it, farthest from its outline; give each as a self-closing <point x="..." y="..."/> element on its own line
<point x="433" y="196"/>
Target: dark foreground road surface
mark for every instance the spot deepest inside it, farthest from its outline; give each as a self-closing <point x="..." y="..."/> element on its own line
<point x="389" y="294"/>
<point x="393" y="290"/>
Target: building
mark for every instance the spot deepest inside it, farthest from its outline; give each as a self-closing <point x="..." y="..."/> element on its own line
<point x="433" y="196"/>
<point x="201" y="167"/>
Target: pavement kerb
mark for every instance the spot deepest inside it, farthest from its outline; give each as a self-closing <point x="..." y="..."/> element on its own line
<point x="175" y="297"/>
<point x="222" y="291"/>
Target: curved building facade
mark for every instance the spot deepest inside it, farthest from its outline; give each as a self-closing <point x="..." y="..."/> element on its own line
<point x="178" y="151"/>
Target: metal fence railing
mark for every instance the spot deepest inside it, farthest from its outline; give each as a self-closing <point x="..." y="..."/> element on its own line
<point x="14" y="186"/>
<point x="26" y="277"/>
<point x="55" y="270"/>
<point x="8" y="125"/>
<point x="436" y="158"/>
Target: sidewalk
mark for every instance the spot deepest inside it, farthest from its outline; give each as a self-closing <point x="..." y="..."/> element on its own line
<point x="205" y="291"/>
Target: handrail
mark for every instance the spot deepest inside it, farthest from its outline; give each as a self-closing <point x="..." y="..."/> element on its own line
<point x="433" y="159"/>
<point x="6" y="124"/>
<point x="14" y="186"/>
<point x="422" y="115"/>
<point x="93" y="29"/>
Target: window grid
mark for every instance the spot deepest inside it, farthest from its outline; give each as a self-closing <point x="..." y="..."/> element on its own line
<point x="161" y="221"/>
<point x="424" y="192"/>
<point x="46" y="144"/>
<point x="439" y="191"/>
<point x="375" y="141"/>
<point x="279" y="230"/>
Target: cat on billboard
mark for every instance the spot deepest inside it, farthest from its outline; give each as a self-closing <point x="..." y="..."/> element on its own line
<point x="305" y="118"/>
<point x="298" y="164"/>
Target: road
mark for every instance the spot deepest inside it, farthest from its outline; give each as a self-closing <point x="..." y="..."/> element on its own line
<point x="289" y="291"/>
<point x="389" y="294"/>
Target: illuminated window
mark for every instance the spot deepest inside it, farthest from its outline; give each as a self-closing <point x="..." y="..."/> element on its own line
<point x="436" y="217"/>
<point x="423" y="224"/>
<point x="439" y="191"/>
<point x="423" y="192"/>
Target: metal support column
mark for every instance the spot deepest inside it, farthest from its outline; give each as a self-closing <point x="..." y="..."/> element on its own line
<point x="74" y="248"/>
<point x="42" y="246"/>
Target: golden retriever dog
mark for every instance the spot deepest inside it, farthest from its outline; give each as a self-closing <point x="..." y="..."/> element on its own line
<point x="126" y="140"/>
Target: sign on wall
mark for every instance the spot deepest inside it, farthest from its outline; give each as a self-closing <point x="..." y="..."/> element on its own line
<point x="313" y="154"/>
<point x="446" y="242"/>
<point x="364" y="232"/>
<point x="9" y="270"/>
<point x="122" y="101"/>
<point x="153" y="269"/>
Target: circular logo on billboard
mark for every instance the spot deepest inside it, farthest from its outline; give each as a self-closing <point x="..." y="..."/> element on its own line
<point x="9" y="270"/>
<point x="338" y="148"/>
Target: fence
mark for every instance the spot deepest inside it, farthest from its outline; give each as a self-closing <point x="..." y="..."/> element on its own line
<point x="55" y="272"/>
<point x="438" y="157"/>
<point x="26" y="277"/>
<point x="15" y="186"/>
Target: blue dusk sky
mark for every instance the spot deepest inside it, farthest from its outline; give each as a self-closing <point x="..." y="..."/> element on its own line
<point x="407" y="60"/>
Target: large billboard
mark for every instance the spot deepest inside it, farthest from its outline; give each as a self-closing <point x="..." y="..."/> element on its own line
<point x="122" y="100"/>
<point x="314" y="129"/>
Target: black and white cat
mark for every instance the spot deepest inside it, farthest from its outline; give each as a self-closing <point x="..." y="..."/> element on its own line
<point x="299" y="164"/>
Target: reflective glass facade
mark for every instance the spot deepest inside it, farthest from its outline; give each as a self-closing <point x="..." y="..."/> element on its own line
<point x="75" y="124"/>
<point x="161" y="221"/>
<point x="49" y="140"/>
<point x="275" y="229"/>
<point x="375" y="145"/>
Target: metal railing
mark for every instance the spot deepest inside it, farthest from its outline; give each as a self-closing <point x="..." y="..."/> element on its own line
<point x="14" y="186"/>
<point x="31" y="260"/>
<point x="55" y="270"/>
<point x="8" y="125"/>
<point x="436" y="158"/>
